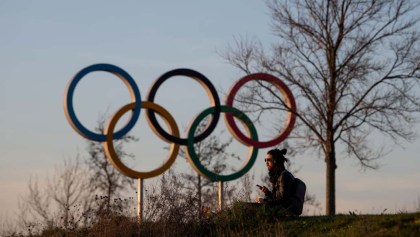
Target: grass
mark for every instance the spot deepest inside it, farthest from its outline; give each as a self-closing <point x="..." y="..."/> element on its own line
<point x="351" y="225"/>
<point x="248" y="220"/>
<point x="263" y="223"/>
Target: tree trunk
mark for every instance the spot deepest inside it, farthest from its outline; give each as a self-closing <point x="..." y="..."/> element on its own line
<point x="331" y="166"/>
<point x="108" y="200"/>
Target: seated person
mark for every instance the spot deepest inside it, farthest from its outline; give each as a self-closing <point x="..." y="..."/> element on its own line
<point x="282" y="181"/>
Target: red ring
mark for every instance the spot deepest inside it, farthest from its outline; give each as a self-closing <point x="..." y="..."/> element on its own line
<point x="289" y="99"/>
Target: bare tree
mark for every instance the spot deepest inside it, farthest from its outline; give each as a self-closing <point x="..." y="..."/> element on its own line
<point x="68" y="188"/>
<point x="353" y="66"/>
<point x="213" y="155"/>
<point x="54" y="204"/>
<point x="167" y="202"/>
<point x="244" y="194"/>
<point x="104" y="178"/>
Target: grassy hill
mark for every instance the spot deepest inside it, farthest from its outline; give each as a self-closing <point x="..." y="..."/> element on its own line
<point x="353" y="225"/>
<point x="341" y="225"/>
<point x="249" y="221"/>
<point x="242" y="222"/>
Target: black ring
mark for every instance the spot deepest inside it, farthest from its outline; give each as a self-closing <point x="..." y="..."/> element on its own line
<point x="204" y="82"/>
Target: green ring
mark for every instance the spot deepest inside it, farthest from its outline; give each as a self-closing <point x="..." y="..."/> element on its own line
<point x="192" y="156"/>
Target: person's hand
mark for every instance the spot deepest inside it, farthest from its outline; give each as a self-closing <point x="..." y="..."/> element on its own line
<point x="259" y="200"/>
<point x="264" y="189"/>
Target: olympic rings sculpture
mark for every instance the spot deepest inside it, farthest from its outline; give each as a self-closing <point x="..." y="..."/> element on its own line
<point x="173" y="137"/>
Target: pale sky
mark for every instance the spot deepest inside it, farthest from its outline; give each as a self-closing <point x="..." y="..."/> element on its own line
<point x="44" y="43"/>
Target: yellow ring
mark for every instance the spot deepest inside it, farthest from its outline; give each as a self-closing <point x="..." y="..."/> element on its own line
<point x="112" y="155"/>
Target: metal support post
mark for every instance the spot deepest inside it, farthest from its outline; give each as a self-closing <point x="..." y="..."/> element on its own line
<point x="220" y="196"/>
<point x="140" y="200"/>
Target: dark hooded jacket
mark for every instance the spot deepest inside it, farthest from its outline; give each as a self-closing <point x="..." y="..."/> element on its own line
<point x="283" y="184"/>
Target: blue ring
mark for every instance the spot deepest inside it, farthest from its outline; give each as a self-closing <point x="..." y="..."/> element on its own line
<point x="123" y="75"/>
